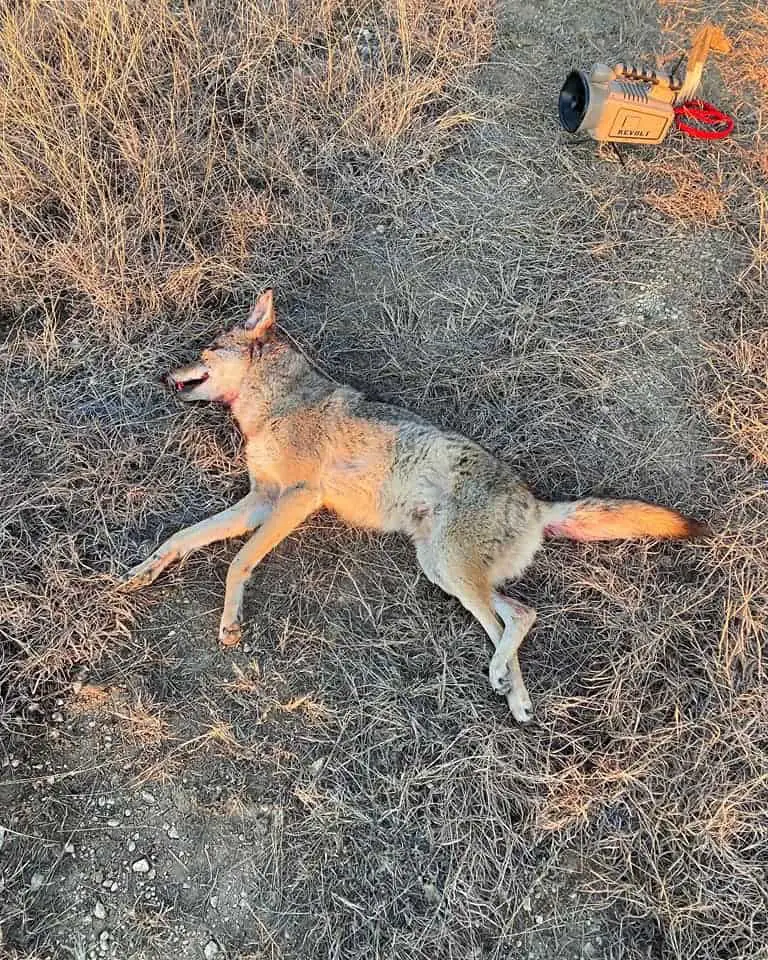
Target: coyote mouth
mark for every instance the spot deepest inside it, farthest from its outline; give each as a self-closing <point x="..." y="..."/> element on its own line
<point x="186" y="386"/>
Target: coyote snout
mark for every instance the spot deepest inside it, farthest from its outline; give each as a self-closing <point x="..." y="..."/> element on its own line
<point x="219" y="374"/>
<point x="311" y="443"/>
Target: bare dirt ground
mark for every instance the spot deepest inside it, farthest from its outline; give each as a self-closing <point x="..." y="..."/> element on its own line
<point x="345" y="784"/>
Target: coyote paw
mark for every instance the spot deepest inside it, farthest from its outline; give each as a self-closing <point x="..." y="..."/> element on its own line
<point x="505" y="678"/>
<point x="520" y="706"/>
<point x="499" y="674"/>
<point x="230" y="634"/>
<point x="142" y="575"/>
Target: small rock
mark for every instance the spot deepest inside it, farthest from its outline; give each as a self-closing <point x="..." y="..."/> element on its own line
<point x="141" y="866"/>
<point x="431" y="893"/>
<point x="36" y="881"/>
<point x="99" y="910"/>
<point x="58" y="717"/>
<point x="173" y="833"/>
<point x="380" y="228"/>
<point x="113" y="822"/>
<point x="113" y="888"/>
<point x="539" y="918"/>
<point x="147" y="797"/>
<point x="211" y="950"/>
<point x="131" y="846"/>
<point x="69" y="848"/>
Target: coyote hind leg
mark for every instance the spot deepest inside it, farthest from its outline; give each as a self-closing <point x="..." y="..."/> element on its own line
<point x="504" y="671"/>
<point x="487" y="606"/>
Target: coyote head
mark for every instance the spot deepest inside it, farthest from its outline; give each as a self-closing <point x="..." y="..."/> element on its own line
<point x="222" y="368"/>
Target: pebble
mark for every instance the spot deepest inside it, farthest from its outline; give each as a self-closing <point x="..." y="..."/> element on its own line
<point x="141" y="866"/>
<point x="539" y="918"/>
<point x="58" y="717"/>
<point x="36" y="881"/>
<point x="147" y="797"/>
<point x="131" y="846"/>
<point x="99" y="910"/>
<point x="113" y="822"/>
<point x="173" y="833"/>
<point x="211" y="950"/>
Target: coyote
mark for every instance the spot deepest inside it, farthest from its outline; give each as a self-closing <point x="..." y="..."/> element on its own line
<point x="311" y="443"/>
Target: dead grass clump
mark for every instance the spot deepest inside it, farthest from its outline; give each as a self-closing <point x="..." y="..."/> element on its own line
<point x="690" y="195"/>
<point x="741" y="406"/>
<point x="745" y="70"/>
<point x="137" y="719"/>
<point x="154" y="155"/>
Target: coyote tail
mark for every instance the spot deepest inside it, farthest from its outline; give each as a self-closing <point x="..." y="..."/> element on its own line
<point x="595" y="519"/>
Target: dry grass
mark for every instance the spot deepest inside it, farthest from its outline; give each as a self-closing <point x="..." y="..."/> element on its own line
<point x="350" y="771"/>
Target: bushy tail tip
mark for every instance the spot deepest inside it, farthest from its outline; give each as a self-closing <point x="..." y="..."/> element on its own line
<point x="594" y="519"/>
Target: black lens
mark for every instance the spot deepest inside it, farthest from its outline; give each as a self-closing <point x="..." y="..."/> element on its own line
<point x="574" y="100"/>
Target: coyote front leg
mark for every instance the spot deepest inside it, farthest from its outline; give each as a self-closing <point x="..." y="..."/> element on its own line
<point x="244" y="516"/>
<point x="291" y="509"/>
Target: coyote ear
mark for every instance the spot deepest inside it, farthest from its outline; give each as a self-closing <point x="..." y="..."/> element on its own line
<point x="262" y="316"/>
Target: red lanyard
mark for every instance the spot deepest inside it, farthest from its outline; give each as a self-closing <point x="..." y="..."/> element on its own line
<point x="709" y="123"/>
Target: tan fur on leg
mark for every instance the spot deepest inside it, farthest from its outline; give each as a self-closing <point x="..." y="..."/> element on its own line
<point x="244" y="516"/>
<point x="504" y="672"/>
<point x="290" y="510"/>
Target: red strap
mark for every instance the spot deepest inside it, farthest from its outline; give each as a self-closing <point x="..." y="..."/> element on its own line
<point x="710" y="123"/>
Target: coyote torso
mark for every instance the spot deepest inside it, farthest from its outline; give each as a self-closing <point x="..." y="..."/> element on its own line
<point x="313" y="444"/>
